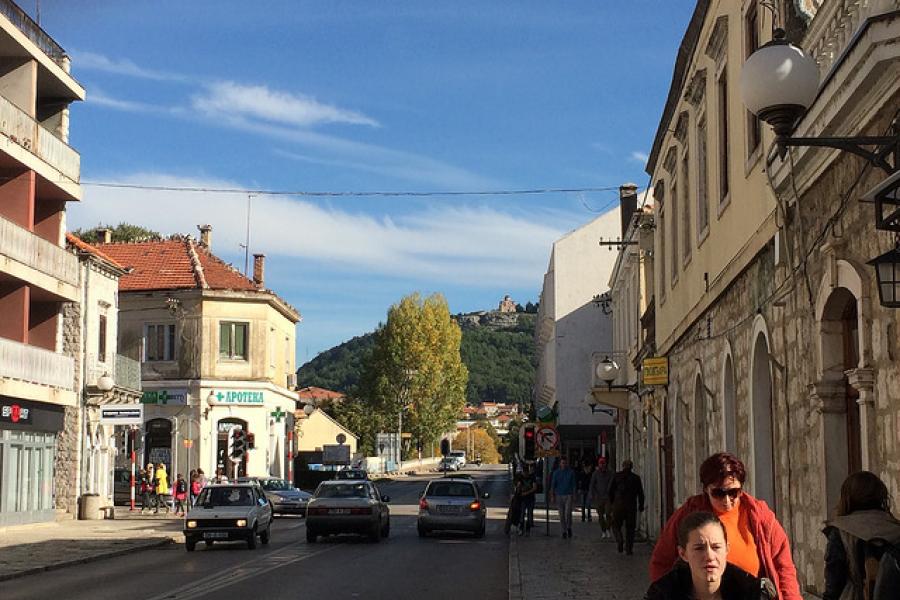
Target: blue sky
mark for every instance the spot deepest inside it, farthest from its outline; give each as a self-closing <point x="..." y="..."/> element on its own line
<point x="365" y="96"/>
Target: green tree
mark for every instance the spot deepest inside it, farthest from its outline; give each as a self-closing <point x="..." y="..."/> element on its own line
<point x="415" y="366"/>
<point x="123" y="232"/>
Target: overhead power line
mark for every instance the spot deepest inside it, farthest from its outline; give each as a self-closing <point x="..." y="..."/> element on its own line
<point x="332" y="194"/>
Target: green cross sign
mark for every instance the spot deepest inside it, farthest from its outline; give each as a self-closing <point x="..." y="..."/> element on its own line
<point x="278" y="414"/>
<point x="220" y="396"/>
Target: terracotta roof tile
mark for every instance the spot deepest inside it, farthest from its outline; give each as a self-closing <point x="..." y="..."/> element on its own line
<point x="317" y="393"/>
<point x="169" y="264"/>
<point x="82" y="245"/>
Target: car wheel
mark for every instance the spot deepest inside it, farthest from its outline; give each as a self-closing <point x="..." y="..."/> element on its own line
<point x="311" y="537"/>
<point x="479" y="533"/>
<point x="251" y="541"/>
<point x="422" y="531"/>
<point x="209" y="543"/>
<point x="386" y="530"/>
<point x="375" y="534"/>
<point x="190" y="545"/>
<point x="265" y="535"/>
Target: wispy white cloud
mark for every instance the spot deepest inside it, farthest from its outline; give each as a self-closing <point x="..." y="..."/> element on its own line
<point x="639" y="156"/>
<point x="100" y="98"/>
<point x="471" y="246"/>
<point x="92" y="61"/>
<point x="260" y="102"/>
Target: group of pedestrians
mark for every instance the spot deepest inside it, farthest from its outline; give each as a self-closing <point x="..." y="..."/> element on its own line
<point x="155" y="490"/>
<point x="725" y="544"/>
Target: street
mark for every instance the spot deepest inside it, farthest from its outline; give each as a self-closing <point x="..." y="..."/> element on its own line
<point x="402" y="566"/>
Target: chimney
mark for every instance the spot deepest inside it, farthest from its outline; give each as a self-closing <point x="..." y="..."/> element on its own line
<point x="206" y="235"/>
<point x="627" y="204"/>
<point x="259" y="267"/>
<point x="105" y="235"/>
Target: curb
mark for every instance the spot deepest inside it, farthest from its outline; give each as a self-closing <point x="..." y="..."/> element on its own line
<point x="86" y="559"/>
<point x="515" y="579"/>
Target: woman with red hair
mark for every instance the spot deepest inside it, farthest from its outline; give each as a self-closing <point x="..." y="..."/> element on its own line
<point x="757" y="541"/>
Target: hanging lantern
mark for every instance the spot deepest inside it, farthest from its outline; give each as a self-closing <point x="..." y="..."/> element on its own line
<point x="887" y="271"/>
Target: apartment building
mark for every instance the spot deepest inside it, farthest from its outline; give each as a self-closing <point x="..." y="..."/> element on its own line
<point x="217" y="352"/>
<point x="571" y="331"/>
<point x="39" y="174"/>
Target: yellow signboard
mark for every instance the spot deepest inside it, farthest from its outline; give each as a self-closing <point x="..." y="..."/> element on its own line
<point x="655" y="371"/>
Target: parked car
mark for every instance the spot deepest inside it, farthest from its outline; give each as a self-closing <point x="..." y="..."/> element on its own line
<point x="448" y="464"/>
<point x="353" y="506"/>
<point x="452" y="504"/>
<point x="285" y="498"/>
<point x="460" y="457"/>
<point x="122" y="486"/>
<point x="347" y="474"/>
<point x="228" y="512"/>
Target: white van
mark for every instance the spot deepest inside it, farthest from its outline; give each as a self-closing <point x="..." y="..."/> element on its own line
<point x="459" y="456"/>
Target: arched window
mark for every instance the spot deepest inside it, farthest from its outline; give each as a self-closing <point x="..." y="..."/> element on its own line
<point x="761" y="422"/>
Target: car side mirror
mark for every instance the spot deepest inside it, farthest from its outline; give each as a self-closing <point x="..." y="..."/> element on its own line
<point x="485" y="495"/>
<point x="385" y="498"/>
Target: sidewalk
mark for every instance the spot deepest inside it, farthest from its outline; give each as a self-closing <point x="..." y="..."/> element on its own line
<point x="584" y="567"/>
<point x="27" y="549"/>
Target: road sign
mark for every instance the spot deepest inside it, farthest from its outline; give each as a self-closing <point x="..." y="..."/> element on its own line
<point x="335" y="454"/>
<point x="541" y="453"/>
<point x="122" y="414"/>
<point x="547" y="438"/>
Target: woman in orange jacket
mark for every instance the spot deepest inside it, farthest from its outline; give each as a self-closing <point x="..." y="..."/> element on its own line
<point x="757" y="542"/>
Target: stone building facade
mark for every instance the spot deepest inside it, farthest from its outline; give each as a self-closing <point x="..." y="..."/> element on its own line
<point x="778" y="347"/>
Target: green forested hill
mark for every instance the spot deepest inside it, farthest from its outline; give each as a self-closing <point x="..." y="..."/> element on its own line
<point x="497" y="348"/>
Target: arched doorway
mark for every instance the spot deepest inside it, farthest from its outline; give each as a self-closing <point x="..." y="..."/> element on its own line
<point x="761" y="422"/>
<point x="729" y="406"/>
<point x="840" y="353"/>
<point x="158" y="443"/>
<point x="701" y="425"/>
<point x="223" y="460"/>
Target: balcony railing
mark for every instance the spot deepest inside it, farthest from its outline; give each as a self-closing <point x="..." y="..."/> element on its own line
<point x="27" y="248"/>
<point x="32" y="30"/>
<point x="21" y="128"/>
<point x="125" y="372"/>
<point x="36" y="365"/>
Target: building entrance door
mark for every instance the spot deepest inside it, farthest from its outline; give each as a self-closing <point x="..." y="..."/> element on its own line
<point x="229" y="467"/>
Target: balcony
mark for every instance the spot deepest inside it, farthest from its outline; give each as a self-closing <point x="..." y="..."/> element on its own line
<point x="35" y="365"/>
<point x="22" y="246"/>
<point x="32" y="30"/>
<point x="22" y="129"/>
<point x="128" y="373"/>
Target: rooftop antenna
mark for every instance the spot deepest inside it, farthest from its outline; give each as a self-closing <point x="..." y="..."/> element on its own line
<point x="246" y="244"/>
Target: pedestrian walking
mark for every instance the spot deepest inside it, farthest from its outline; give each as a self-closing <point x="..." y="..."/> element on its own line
<point x="514" y="513"/>
<point x="162" y="487"/>
<point x="528" y="492"/>
<point x="583" y="485"/>
<point x="190" y="486"/>
<point x="626" y="497"/>
<point x="220" y="476"/>
<point x="599" y="490"/>
<point x="705" y="573"/>
<point x="757" y="541"/>
<point x="179" y="495"/>
<point x="562" y="488"/>
<point x="863" y="543"/>
<point x="148" y="490"/>
<point x="196" y="488"/>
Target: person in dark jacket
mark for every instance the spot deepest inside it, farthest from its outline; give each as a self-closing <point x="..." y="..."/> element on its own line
<point x="857" y="541"/>
<point x="703" y="572"/>
<point x="600" y="481"/>
<point x="583" y="485"/>
<point x="626" y="495"/>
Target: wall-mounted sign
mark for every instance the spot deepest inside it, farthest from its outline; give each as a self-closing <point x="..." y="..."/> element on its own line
<point x="173" y="396"/>
<point x="14" y="413"/>
<point x="240" y="397"/>
<point x="655" y="371"/>
<point x="335" y="454"/>
<point x="122" y="414"/>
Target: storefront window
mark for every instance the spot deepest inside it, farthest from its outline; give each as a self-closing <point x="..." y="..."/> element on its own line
<point x="26" y="475"/>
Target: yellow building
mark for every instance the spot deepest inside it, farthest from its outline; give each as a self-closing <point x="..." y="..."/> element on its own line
<point x="217" y="354"/>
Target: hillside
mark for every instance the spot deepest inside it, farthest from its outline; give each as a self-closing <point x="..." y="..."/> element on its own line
<point x="497" y="348"/>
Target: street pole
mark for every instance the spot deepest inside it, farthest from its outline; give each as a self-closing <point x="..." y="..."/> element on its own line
<point x="131" y="436"/>
<point x="290" y="456"/>
<point x="400" y="437"/>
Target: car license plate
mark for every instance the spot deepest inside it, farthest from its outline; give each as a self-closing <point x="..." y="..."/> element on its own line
<point x="338" y="511"/>
<point x="215" y="535"/>
<point x="448" y="510"/>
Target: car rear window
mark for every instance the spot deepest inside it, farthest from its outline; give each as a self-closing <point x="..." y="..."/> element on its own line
<point x="274" y="485"/>
<point x="451" y="488"/>
<point x="343" y="490"/>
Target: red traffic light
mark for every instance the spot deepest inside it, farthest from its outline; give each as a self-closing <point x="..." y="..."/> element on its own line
<point x="529" y="433"/>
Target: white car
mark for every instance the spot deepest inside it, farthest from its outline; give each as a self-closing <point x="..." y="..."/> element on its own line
<point x="229" y="512"/>
<point x="459" y="456"/>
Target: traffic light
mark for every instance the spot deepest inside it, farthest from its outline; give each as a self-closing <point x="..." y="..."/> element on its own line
<point x="238" y="444"/>
<point x="528" y="446"/>
<point x="445" y="447"/>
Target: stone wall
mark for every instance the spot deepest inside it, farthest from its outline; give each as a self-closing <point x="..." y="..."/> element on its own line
<point x="68" y="454"/>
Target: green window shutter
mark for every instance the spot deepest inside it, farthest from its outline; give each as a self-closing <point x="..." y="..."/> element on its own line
<point x="240" y="340"/>
<point x="225" y="340"/>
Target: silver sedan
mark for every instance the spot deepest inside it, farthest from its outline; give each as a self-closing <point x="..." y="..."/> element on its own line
<point x="348" y="507"/>
<point x="453" y="504"/>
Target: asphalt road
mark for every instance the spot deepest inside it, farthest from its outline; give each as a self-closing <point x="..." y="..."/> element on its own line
<point x="403" y="566"/>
